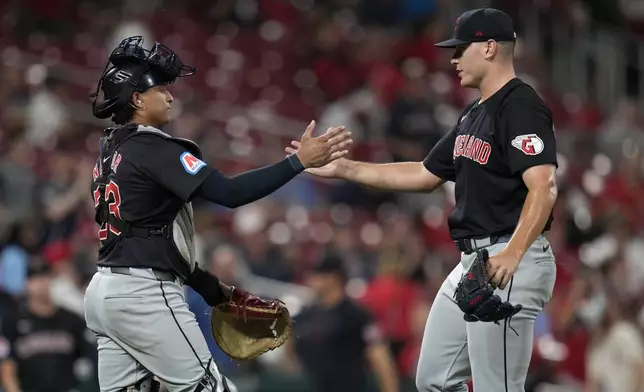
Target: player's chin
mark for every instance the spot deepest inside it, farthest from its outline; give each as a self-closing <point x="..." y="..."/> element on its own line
<point x="165" y="118"/>
<point x="467" y="81"/>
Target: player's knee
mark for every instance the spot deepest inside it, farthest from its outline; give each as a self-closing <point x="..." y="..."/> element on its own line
<point x="148" y="384"/>
<point x="436" y="382"/>
<point x="210" y="383"/>
<point x="428" y="382"/>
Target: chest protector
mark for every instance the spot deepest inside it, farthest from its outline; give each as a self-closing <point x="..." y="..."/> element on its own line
<point x="180" y="232"/>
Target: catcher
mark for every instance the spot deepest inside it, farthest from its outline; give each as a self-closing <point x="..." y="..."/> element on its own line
<point x="143" y="184"/>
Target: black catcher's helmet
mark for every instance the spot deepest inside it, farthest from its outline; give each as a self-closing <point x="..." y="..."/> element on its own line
<point x="135" y="69"/>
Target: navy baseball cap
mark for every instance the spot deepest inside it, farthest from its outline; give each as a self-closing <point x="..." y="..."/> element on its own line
<point x="480" y="25"/>
<point x="38" y="268"/>
<point x="330" y="264"/>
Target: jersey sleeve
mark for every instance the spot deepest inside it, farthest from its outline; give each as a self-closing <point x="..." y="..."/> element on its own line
<point x="8" y="340"/>
<point x="527" y="134"/>
<point x="176" y="168"/>
<point x="370" y="331"/>
<point x="440" y="160"/>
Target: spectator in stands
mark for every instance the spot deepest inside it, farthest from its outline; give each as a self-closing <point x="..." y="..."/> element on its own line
<point x="22" y="245"/>
<point x="336" y="341"/>
<point x="45" y="343"/>
<point x="616" y="354"/>
<point x="620" y="130"/>
<point x="66" y="188"/>
<point x="47" y="112"/>
<point x="17" y="184"/>
<point x="408" y="358"/>
<point x="413" y="129"/>
<point x="391" y="299"/>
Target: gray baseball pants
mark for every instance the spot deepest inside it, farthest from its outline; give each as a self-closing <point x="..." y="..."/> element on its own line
<point x="497" y="359"/>
<point x="144" y="328"/>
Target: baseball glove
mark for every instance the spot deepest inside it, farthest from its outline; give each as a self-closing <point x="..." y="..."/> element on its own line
<point x="475" y="295"/>
<point x="246" y="326"/>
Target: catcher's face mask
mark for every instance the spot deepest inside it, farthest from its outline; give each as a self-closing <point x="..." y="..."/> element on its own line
<point x="135" y="69"/>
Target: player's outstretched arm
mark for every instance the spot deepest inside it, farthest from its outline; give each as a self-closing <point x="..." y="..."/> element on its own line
<point x="208" y="286"/>
<point x="256" y="184"/>
<point x="399" y="176"/>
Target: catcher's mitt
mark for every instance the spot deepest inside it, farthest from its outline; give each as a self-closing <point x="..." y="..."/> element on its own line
<point x="247" y="326"/>
<point x="475" y="295"/>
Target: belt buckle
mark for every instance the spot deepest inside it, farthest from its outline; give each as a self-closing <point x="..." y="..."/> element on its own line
<point x="464" y="245"/>
<point x="163" y="232"/>
<point x="469" y="248"/>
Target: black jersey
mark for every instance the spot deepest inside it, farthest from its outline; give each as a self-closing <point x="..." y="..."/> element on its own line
<point x="46" y="349"/>
<point x="485" y="155"/>
<point x="331" y="343"/>
<point x="150" y="177"/>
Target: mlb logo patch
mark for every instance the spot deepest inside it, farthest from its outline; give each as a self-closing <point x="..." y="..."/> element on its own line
<point x="191" y="163"/>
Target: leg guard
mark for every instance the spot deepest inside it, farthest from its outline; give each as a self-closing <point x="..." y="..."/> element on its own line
<point x="148" y="384"/>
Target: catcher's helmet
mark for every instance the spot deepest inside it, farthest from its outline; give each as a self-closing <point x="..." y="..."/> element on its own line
<point x="135" y="69"/>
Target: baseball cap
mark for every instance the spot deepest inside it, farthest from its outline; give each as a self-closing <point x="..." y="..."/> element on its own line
<point x="330" y="264"/>
<point x="480" y="25"/>
<point x="38" y="268"/>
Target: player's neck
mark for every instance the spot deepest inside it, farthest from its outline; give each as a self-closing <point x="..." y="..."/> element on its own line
<point x="41" y="308"/>
<point x="138" y="120"/>
<point x="495" y="80"/>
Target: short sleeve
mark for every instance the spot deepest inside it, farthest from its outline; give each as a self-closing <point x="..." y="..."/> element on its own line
<point x="370" y="331"/>
<point x="630" y="342"/>
<point x="527" y="134"/>
<point x="8" y="339"/>
<point x="440" y="160"/>
<point x="176" y="168"/>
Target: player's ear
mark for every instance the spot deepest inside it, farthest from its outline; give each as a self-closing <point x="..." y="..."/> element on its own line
<point x="137" y="100"/>
<point x="490" y="49"/>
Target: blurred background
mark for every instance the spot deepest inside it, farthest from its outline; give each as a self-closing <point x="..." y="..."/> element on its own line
<point x="266" y="69"/>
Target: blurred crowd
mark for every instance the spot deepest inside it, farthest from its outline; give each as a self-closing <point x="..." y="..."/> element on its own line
<point x="266" y="68"/>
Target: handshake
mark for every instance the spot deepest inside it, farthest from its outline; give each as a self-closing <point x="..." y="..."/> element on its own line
<point x="320" y="155"/>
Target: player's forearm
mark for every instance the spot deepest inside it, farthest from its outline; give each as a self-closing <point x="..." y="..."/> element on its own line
<point x="387" y="380"/>
<point x="9" y="379"/>
<point x="591" y="385"/>
<point x="384" y="368"/>
<point x="638" y="370"/>
<point x="534" y="215"/>
<point x="208" y="286"/>
<point x="250" y="186"/>
<point x="11" y="385"/>
<point x="400" y="176"/>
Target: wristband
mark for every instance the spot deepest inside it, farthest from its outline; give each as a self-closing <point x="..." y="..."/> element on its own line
<point x="207" y="285"/>
<point x="296" y="163"/>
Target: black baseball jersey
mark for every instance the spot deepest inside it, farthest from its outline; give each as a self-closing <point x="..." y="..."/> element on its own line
<point x="150" y="178"/>
<point x="331" y="344"/>
<point x="485" y="154"/>
<point x="45" y="349"/>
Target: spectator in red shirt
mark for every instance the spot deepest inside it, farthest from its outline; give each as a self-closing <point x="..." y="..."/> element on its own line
<point x="390" y="298"/>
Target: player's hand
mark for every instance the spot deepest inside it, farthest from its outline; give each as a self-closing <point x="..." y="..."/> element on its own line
<point x="501" y="268"/>
<point x="326" y="148"/>
<point x="330" y="170"/>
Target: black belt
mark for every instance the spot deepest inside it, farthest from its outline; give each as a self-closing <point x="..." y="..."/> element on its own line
<point x="470" y="245"/>
<point x="161" y="275"/>
<point x="128" y="229"/>
<point x="144" y="232"/>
